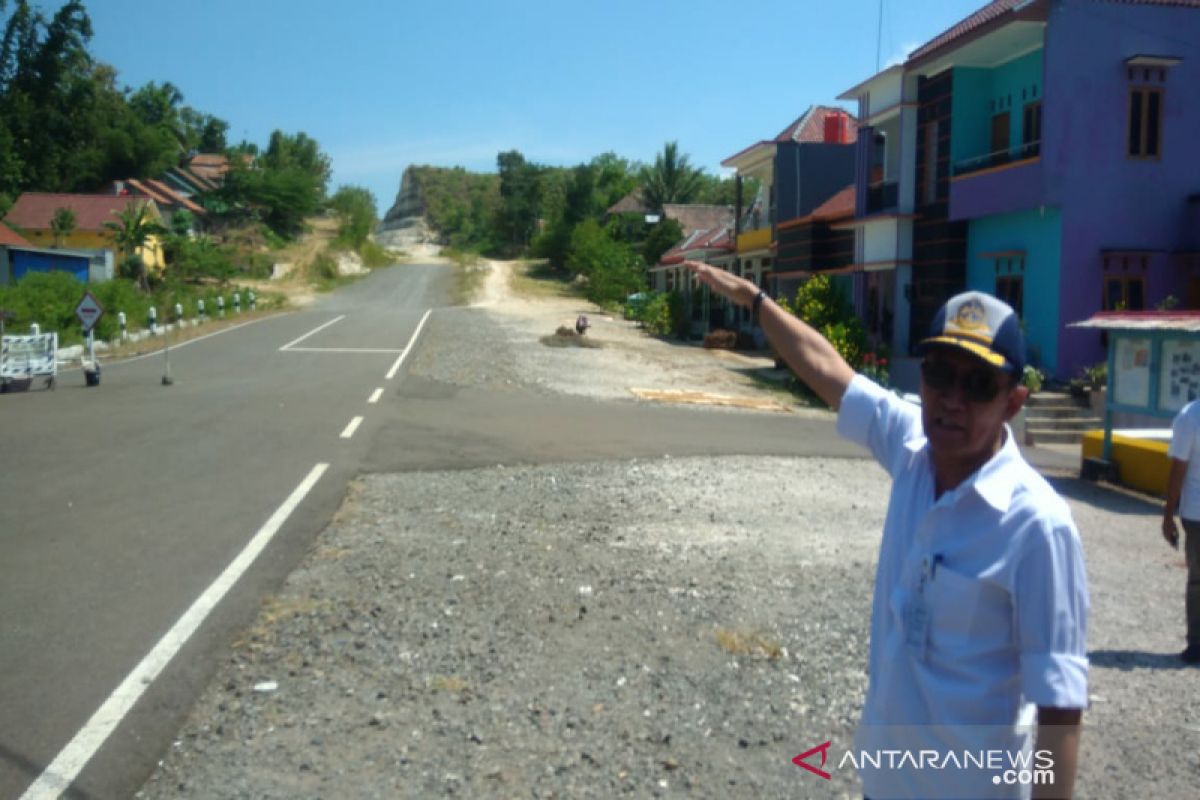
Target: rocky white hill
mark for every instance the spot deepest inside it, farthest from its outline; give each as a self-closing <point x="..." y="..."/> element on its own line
<point x="404" y="226"/>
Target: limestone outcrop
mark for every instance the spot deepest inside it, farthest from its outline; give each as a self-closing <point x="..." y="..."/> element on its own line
<point x="404" y="226"/>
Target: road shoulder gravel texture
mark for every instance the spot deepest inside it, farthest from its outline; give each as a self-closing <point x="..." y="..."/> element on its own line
<point x="665" y="627"/>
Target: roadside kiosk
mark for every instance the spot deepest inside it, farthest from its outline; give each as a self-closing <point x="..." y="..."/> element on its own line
<point x="1153" y="372"/>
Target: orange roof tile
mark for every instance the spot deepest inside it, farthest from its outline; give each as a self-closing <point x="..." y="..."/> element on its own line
<point x="174" y="197"/>
<point x="839" y="206"/>
<point x="11" y="238"/>
<point x="34" y="210"/>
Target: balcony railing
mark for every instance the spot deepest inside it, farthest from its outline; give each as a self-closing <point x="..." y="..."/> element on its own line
<point x="998" y="158"/>
<point x="883" y="197"/>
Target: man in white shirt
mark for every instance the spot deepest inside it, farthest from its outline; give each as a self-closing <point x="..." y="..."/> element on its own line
<point x="1183" y="497"/>
<point x="980" y="606"/>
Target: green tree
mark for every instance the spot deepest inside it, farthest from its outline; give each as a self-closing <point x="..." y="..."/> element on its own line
<point x="182" y="223"/>
<point x="662" y="238"/>
<point x="355" y="207"/>
<point x="62" y="225"/>
<point x="612" y="269"/>
<point x="615" y="177"/>
<point x="672" y="179"/>
<point x="297" y="152"/>
<point x="202" y="132"/>
<point x="819" y="303"/>
<point x="132" y="229"/>
<point x="520" y="200"/>
<point x="158" y="105"/>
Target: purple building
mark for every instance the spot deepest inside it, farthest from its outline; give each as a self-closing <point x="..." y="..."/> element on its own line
<point x="1043" y="151"/>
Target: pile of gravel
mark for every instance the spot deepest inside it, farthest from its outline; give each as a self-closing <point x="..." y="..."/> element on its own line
<point x="560" y="631"/>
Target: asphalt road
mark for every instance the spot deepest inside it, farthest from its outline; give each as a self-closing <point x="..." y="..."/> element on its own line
<point x="120" y="505"/>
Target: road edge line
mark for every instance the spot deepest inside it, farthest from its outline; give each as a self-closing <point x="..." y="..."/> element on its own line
<point x="70" y="761"/>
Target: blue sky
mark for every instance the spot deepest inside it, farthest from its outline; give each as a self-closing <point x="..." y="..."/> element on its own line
<point x="381" y="84"/>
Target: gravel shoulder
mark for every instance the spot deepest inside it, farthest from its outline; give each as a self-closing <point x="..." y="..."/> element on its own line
<point x="667" y="627"/>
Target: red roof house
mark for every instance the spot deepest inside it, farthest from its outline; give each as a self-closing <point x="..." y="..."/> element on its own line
<point x="10" y="238"/>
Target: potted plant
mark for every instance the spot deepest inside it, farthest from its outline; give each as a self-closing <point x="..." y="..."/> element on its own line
<point x="1096" y="377"/>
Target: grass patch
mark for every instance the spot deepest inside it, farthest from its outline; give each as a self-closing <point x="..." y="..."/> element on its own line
<point x="748" y="643"/>
<point x="374" y="256"/>
<point x="469" y="274"/>
<point x="537" y="280"/>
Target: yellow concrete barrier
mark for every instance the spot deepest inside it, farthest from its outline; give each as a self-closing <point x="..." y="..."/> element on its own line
<point x="1142" y="464"/>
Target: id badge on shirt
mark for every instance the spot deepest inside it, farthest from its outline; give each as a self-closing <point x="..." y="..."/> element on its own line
<point x="916" y="623"/>
<point x="916" y="618"/>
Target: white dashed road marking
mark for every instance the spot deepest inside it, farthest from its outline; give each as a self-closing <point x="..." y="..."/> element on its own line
<point x="375" y="395"/>
<point x="352" y="427"/>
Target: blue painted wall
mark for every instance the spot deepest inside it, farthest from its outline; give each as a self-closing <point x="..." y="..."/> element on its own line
<point x="979" y="94"/>
<point x="24" y="261"/>
<point x="809" y="173"/>
<point x="1039" y="234"/>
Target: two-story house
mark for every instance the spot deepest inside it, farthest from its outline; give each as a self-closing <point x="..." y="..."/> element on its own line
<point x="1040" y="151"/>
<point x="798" y="170"/>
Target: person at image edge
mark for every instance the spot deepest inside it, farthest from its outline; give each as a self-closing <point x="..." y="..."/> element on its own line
<point x="980" y="603"/>
<point x="1183" y="498"/>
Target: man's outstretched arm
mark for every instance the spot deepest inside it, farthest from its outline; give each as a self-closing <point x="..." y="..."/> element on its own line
<point x="807" y="352"/>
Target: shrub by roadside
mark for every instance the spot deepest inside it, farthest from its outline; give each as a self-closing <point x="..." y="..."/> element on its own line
<point x="50" y="298"/>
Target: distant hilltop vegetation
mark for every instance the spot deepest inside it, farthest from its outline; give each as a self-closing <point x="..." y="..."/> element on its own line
<point x="442" y="205"/>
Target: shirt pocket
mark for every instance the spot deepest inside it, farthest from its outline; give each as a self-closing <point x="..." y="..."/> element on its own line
<point x="967" y="613"/>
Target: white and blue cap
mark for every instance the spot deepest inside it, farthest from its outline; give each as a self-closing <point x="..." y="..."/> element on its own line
<point x="983" y="326"/>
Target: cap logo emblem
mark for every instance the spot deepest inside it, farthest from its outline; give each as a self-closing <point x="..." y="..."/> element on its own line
<point x="971" y="317"/>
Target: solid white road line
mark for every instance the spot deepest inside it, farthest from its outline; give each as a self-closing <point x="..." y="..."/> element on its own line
<point x="375" y="395"/>
<point x="318" y="329"/>
<point x="71" y="760"/>
<point x="352" y="427"/>
<point x="340" y="350"/>
<point x="395" y="367"/>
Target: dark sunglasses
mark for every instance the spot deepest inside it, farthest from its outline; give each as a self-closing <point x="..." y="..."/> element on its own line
<point x="979" y="385"/>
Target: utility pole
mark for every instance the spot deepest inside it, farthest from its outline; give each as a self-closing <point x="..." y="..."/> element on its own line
<point x="879" y="39"/>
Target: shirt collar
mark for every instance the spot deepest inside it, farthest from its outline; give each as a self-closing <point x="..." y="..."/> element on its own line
<point x="995" y="480"/>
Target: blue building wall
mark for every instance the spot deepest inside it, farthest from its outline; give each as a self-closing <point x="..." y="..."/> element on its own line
<point x="1039" y="234"/>
<point x="25" y="261"/>
<point x="979" y="94"/>
<point x="809" y="173"/>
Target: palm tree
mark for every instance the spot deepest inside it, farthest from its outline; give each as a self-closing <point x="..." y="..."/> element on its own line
<point x="672" y="179"/>
<point x="133" y="228"/>
<point x="62" y="225"/>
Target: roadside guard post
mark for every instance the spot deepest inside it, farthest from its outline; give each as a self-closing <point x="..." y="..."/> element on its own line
<point x="89" y="313"/>
<point x="1153" y="369"/>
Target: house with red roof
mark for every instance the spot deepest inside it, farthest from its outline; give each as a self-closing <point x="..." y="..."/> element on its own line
<point x="1041" y="151"/>
<point x="802" y="167"/>
<point x="168" y="200"/>
<point x="10" y="238"/>
<point x="820" y="243"/>
<point x="33" y="212"/>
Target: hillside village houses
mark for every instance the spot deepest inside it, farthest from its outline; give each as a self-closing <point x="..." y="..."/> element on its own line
<point x="1039" y="150"/>
<point x="87" y="251"/>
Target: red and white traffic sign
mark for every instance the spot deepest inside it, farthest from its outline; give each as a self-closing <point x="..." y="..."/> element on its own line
<point x="89" y="311"/>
